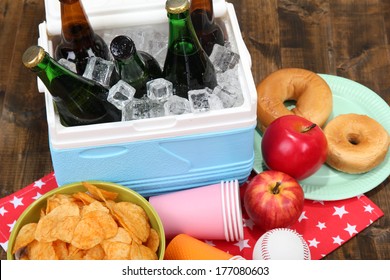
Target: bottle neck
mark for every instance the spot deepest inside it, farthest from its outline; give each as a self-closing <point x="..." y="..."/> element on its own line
<point x="75" y="23"/>
<point x="203" y="6"/>
<point x="48" y="69"/>
<point x="132" y="67"/>
<point x="182" y="36"/>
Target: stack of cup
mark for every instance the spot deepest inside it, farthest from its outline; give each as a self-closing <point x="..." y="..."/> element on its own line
<point x="185" y="247"/>
<point x="210" y="212"/>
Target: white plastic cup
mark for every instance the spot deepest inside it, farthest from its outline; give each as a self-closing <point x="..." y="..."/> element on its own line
<point x="210" y="212"/>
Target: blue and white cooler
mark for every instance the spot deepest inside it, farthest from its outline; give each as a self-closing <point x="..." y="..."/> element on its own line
<point x="156" y="155"/>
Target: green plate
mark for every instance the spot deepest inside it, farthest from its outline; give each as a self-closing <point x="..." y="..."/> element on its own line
<point x="328" y="183"/>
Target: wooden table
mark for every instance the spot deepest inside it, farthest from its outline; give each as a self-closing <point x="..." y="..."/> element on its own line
<point x="340" y="37"/>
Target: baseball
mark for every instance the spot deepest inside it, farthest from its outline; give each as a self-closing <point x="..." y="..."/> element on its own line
<point x="281" y="244"/>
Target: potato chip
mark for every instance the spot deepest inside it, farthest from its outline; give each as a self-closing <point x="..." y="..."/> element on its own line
<point x="75" y="253"/>
<point x="85" y="198"/>
<point x="96" y="205"/>
<point x="41" y="251"/>
<point x="87" y="234"/>
<point x="122" y="235"/>
<point x="141" y="252"/>
<point x="116" y="250"/>
<point x="25" y="236"/>
<point x="153" y="240"/>
<point x="61" y="249"/>
<point x="95" y="253"/>
<point x="56" y="200"/>
<point x="133" y="218"/>
<point x="105" y="221"/>
<point x="98" y="193"/>
<point x="65" y="228"/>
<point x="45" y="231"/>
<point x="147" y="253"/>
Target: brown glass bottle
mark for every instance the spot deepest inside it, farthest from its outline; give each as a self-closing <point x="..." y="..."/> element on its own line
<point x="186" y="65"/>
<point x="208" y="31"/>
<point x="78" y="40"/>
<point x="79" y="101"/>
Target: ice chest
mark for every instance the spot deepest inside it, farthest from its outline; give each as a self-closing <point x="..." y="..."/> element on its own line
<point x="158" y="155"/>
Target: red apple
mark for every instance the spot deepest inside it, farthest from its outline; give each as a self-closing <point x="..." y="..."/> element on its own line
<point x="294" y="145"/>
<point x="273" y="199"/>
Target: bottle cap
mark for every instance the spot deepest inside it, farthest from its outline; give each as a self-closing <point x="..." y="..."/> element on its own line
<point x="177" y="6"/>
<point x="122" y="47"/>
<point x="33" y="56"/>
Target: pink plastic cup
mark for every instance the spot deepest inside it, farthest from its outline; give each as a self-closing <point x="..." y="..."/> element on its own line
<point x="210" y="212"/>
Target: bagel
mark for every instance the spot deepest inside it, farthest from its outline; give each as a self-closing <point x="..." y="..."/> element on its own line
<point x="312" y="94"/>
<point x="356" y="143"/>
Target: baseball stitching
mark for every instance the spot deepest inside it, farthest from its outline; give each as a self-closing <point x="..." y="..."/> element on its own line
<point x="265" y="254"/>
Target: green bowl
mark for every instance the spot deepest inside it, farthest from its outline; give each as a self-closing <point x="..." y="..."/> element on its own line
<point x="32" y="212"/>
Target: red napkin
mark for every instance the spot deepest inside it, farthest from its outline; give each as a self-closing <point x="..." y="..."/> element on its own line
<point x="324" y="225"/>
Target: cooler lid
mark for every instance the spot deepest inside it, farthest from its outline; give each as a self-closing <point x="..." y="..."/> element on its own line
<point x="106" y="14"/>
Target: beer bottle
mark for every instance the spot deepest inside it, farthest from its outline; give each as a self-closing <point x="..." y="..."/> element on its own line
<point x="78" y="40"/>
<point x="208" y="31"/>
<point x="134" y="67"/>
<point x="186" y="65"/>
<point x="79" y="101"/>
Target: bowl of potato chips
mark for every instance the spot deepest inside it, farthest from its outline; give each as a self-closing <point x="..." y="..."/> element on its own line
<point x="91" y="220"/>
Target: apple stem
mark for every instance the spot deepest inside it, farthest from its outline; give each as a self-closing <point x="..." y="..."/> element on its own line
<point x="275" y="189"/>
<point x="306" y="129"/>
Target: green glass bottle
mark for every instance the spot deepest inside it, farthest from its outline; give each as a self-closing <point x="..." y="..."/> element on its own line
<point x="78" y="39"/>
<point x="79" y="101"/>
<point x="134" y="67"/>
<point x="186" y="65"/>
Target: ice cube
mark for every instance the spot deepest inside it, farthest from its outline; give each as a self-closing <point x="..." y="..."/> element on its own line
<point x="68" y="64"/>
<point x="156" y="110"/>
<point x="230" y="96"/>
<point x="99" y="70"/>
<point x="199" y="100"/>
<point x="159" y="90"/>
<point x="215" y="102"/>
<point x="223" y="58"/>
<point x="121" y="94"/>
<point x="136" y="109"/>
<point x="177" y="105"/>
<point x="229" y="78"/>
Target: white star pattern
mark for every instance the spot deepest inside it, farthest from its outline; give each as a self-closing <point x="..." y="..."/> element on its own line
<point x="3" y="211"/>
<point x="209" y="242"/>
<point x="351" y="229"/>
<point x="368" y="208"/>
<point x="39" y="184"/>
<point x="38" y="195"/>
<point x="340" y="211"/>
<point x="302" y="217"/>
<point x="4" y="245"/>
<point x="337" y="240"/>
<point x="242" y="244"/>
<point x="17" y="201"/>
<point x="248" y="223"/>
<point x="313" y="243"/>
<point x="320" y="225"/>
<point x="11" y="226"/>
